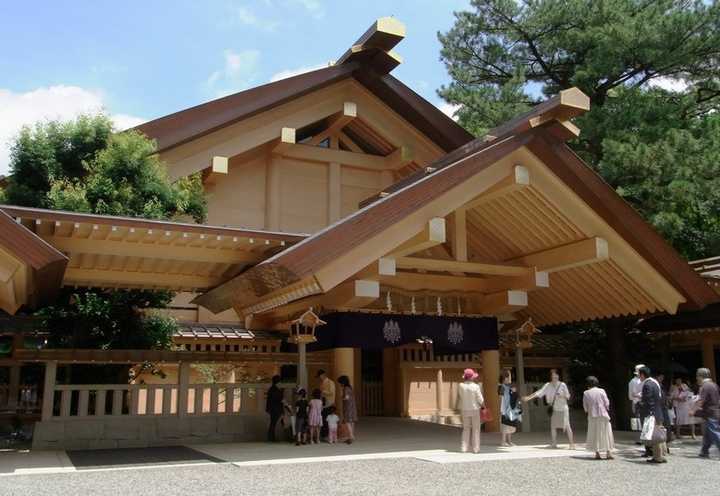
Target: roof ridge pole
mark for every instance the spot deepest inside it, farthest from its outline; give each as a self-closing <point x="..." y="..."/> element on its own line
<point x="374" y="47"/>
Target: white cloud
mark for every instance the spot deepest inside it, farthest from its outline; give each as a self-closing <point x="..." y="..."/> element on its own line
<point x="669" y="84"/>
<point x="313" y="7"/>
<point x="449" y="109"/>
<point x="238" y="73"/>
<point x="284" y="74"/>
<point x="248" y="17"/>
<point x="48" y="103"/>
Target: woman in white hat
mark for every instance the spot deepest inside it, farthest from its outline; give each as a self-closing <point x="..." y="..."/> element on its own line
<point x="469" y="402"/>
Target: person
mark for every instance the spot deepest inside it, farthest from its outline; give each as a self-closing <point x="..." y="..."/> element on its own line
<point x="634" y="393"/>
<point x="315" y="420"/>
<point x="327" y="387"/>
<point x="597" y="405"/>
<point x="556" y="395"/>
<point x="469" y="402"/>
<point x="510" y="413"/>
<point x="651" y="405"/>
<point x="333" y="420"/>
<point x="709" y="410"/>
<point x="681" y="396"/>
<point x="348" y="407"/>
<point x="301" y="418"/>
<point x="274" y="407"/>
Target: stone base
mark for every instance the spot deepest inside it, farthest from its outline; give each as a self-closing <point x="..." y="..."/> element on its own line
<point x="142" y="431"/>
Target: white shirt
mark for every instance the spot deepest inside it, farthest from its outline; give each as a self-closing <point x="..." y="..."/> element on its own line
<point x="470" y="396"/>
<point x="635" y="389"/>
<point x="557" y="392"/>
<point x="333" y="420"/>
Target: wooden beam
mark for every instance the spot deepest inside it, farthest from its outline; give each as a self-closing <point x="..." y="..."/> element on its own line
<point x="328" y="155"/>
<point x="517" y="180"/>
<point x="400" y="158"/>
<point x="569" y="256"/>
<point x="336" y="123"/>
<point x="383" y="35"/>
<point x="502" y="302"/>
<point x="287" y="140"/>
<point x="152" y="250"/>
<point x="218" y="168"/>
<point x="347" y="141"/>
<point x="433" y="234"/>
<point x="532" y="281"/>
<point x="437" y="265"/>
<point x="117" y="278"/>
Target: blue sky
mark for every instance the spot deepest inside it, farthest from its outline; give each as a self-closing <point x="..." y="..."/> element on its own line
<point x="140" y="60"/>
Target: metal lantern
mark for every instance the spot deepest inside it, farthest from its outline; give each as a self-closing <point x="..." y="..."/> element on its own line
<point x="524" y="334"/>
<point x="302" y="329"/>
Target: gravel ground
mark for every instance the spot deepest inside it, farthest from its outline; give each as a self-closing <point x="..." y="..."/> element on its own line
<point x="685" y="474"/>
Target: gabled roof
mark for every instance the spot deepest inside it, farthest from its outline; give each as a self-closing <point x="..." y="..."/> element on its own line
<point x="293" y="272"/>
<point x="368" y="61"/>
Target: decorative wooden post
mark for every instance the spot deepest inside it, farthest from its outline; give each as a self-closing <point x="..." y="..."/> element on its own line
<point x="491" y="373"/>
<point x="522" y="341"/>
<point x="302" y="331"/>
<point x="49" y="390"/>
<point x="183" y="387"/>
<point x="708" y="355"/>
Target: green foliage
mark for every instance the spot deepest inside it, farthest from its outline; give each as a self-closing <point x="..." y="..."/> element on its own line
<point x="82" y="166"/>
<point x="658" y="148"/>
<point x="108" y="320"/>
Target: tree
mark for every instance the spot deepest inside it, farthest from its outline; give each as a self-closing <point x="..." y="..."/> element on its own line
<point x="644" y="140"/>
<point x="83" y="166"/>
<point x="651" y="69"/>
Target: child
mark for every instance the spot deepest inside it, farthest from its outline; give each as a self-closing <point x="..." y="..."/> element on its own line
<point x="288" y="420"/>
<point x="333" y="420"/>
<point x="301" y="417"/>
<point x="315" y="420"/>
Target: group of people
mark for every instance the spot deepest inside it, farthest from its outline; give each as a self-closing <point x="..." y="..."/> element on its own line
<point x="310" y="421"/>
<point x="651" y="404"/>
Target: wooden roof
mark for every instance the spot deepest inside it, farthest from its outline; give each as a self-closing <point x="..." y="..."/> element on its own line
<point x="368" y="61"/>
<point x="507" y="228"/>
<point x="30" y="269"/>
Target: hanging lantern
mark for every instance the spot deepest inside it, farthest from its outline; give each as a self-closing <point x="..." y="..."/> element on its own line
<point x="302" y="329"/>
<point x="413" y="308"/>
<point x="524" y="334"/>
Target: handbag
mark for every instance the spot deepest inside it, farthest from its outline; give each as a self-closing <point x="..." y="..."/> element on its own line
<point x="659" y="434"/>
<point x="485" y="415"/>
<point x="635" y="424"/>
<point x="551" y="408"/>
<point x="648" y="429"/>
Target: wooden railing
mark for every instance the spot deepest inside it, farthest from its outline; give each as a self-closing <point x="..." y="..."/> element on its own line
<point x="98" y="400"/>
<point x="27" y="398"/>
<point x="419" y="354"/>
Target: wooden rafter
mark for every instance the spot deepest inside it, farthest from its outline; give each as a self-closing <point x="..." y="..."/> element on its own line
<point x="218" y="168"/>
<point x="518" y="179"/>
<point x="432" y="235"/>
<point x="437" y="265"/>
<point x="587" y="251"/>
<point x="335" y="123"/>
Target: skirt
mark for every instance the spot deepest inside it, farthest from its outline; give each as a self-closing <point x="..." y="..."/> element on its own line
<point x="599" y="435"/>
<point x="507" y="429"/>
<point x="560" y="419"/>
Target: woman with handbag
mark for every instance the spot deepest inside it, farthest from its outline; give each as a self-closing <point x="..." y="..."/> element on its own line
<point x="651" y="409"/>
<point x="469" y="402"/>
<point x="510" y="412"/>
<point x="556" y="395"/>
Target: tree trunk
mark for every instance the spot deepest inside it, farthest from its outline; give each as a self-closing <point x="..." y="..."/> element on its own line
<point x="617" y="389"/>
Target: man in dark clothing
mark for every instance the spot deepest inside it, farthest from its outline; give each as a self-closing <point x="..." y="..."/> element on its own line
<point x="651" y="405"/>
<point x="708" y="409"/>
<point x="274" y="406"/>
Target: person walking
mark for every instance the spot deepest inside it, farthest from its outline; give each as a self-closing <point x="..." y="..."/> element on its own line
<point x="469" y="402"/>
<point x="597" y="406"/>
<point x="315" y="419"/>
<point x="651" y="405"/>
<point x="274" y="407"/>
<point x="510" y="412"/>
<point x="634" y="394"/>
<point x="349" y="410"/>
<point x="556" y="395"/>
<point x="709" y="410"/>
<point x="327" y="388"/>
<point x="681" y="396"/>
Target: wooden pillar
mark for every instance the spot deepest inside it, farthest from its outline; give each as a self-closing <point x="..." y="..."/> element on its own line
<point x="343" y="364"/>
<point x="391" y="392"/>
<point x="439" y="393"/>
<point x="272" y="194"/>
<point x="618" y="372"/>
<point x="358" y="382"/>
<point x="14" y="387"/>
<point x="334" y="192"/>
<point x="302" y="371"/>
<point x="708" y="355"/>
<point x="49" y="390"/>
<point x="491" y="373"/>
<point x="183" y="386"/>
<point x="522" y="389"/>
